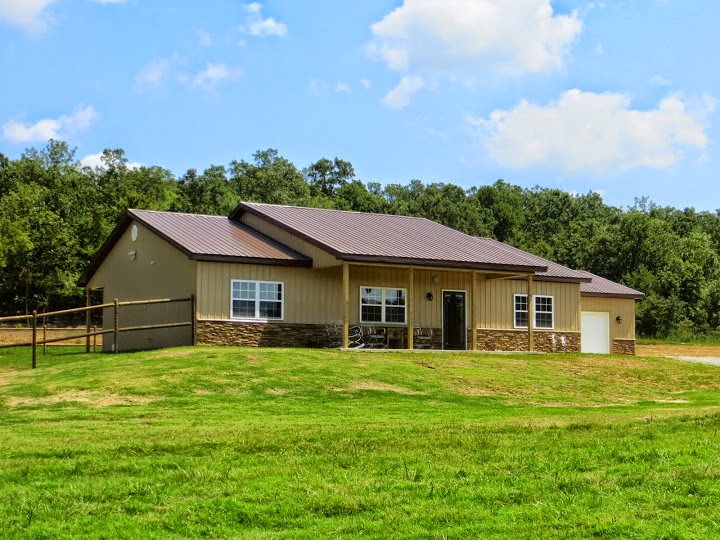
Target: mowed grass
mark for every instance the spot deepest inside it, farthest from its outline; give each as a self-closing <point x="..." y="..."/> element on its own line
<point x="253" y="443"/>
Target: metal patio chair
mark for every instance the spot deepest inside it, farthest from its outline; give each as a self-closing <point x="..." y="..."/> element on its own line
<point x="374" y="337"/>
<point x="422" y="338"/>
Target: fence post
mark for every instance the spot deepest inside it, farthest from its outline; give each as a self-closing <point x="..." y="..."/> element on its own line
<point x="44" y="338"/>
<point x="116" y="327"/>
<point x="94" y="329"/>
<point x="87" y="320"/>
<point x="193" y="314"/>
<point x="34" y="339"/>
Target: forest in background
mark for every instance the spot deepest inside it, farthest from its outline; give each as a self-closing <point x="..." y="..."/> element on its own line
<point x="56" y="213"/>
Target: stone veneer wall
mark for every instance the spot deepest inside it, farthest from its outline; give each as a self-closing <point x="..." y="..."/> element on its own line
<point x="244" y="334"/>
<point x="517" y="340"/>
<point x="623" y="346"/>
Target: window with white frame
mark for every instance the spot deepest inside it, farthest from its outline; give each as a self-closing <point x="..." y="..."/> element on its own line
<point x="256" y="299"/>
<point x="382" y="305"/>
<point x="544" y="314"/>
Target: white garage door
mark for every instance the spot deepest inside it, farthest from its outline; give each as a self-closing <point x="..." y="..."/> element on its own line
<point x="595" y="332"/>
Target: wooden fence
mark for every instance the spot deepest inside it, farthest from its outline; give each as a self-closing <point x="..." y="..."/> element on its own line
<point x="38" y="322"/>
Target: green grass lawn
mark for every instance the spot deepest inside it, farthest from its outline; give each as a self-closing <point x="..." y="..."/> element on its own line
<point x="257" y="443"/>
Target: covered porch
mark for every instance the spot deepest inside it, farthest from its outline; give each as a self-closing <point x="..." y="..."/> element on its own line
<point x="450" y="302"/>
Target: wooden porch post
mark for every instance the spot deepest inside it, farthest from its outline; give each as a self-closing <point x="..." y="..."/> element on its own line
<point x="531" y="313"/>
<point x="411" y="307"/>
<point x="474" y="293"/>
<point x="346" y="305"/>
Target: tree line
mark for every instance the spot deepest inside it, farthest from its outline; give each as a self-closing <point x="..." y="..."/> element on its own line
<point x="56" y="213"/>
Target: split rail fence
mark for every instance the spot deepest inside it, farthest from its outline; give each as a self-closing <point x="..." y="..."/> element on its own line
<point x="37" y="323"/>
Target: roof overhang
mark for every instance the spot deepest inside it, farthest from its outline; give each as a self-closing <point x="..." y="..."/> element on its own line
<point x="628" y="296"/>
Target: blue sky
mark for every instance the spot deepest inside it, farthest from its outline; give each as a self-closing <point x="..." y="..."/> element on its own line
<point x="616" y="97"/>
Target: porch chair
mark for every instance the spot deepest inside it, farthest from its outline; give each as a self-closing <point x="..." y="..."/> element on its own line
<point x="422" y="338"/>
<point x="334" y="331"/>
<point x="374" y="337"/>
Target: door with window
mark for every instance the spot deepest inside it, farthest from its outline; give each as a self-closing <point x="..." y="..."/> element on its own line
<point x="454" y="324"/>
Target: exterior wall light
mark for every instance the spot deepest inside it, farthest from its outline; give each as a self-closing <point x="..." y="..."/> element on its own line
<point x="435" y="280"/>
<point x="618" y="319"/>
<point x="429" y="296"/>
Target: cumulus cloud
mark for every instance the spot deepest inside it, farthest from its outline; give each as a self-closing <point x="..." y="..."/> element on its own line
<point x="366" y="83"/>
<point x="399" y="97"/>
<point x="213" y="74"/>
<point x="505" y="36"/>
<point x="594" y="133"/>
<point x="94" y="161"/>
<point x="255" y="25"/>
<point x="28" y="14"/>
<point x="50" y="128"/>
<point x="153" y="74"/>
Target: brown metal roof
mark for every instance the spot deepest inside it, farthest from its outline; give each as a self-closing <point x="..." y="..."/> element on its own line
<point x="359" y="236"/>
<point x="554" y="272"/>
<point x="203" y="238"/>
<point x="599" y="286"/>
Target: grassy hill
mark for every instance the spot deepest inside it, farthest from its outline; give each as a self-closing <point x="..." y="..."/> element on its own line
<point x="248" y="443"/>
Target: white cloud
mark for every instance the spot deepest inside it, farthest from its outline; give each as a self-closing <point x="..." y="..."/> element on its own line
<point x="366" y="83"/>
<point x="213" y="74"/>
<point x="659" y="80"/>
<point x="94" y="161"/>
<point x="28" y="14"/>
<point x="342" y="87"/>
<point x="50" y="128"/>
<point x="255" y="25"/>
<point x="503" y="36"/>
<point x="595" y="133"/>
<point x="399" y="97"/>
<point x="153" y="74"/>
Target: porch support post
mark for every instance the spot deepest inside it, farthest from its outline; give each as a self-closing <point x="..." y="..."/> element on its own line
<point x="411" y="307"/>
<point x="474" y="294"/>
<point x="531" y="313"/>
<point x="346" y="305"/>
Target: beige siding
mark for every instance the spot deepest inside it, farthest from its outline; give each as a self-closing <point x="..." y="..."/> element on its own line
<point x="158" y="270"/>
<point x="321" y="258"/>
<point x="623" y="307"/>
<point x="311" y="296"/>
<point x="497" y="303"/>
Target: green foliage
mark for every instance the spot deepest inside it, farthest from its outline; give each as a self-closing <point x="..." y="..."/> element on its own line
<point x="231" y="443"/>
<point x="54" y="214"/>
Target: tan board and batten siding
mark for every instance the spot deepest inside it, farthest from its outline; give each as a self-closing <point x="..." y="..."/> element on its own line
<point x="311" y="296"/>
<point x="623" y="307"/>
<point x="157" y="270"/>
<point x="497" y="304"/>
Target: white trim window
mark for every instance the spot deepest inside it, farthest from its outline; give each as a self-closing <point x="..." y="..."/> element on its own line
<point x="383" y="305"/>
<point x="544" y="311"/>
<point x="257" y="300"/>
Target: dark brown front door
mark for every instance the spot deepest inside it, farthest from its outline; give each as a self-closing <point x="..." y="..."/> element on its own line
<point x="454" y="326"/>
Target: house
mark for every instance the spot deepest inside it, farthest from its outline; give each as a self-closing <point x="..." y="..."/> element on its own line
<point x="274" y="275"/>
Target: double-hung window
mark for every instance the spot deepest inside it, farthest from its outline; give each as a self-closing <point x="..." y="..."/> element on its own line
<point x="256" y="299"/>
<point x="544" y="314"/>
<point x="382" y="305"/>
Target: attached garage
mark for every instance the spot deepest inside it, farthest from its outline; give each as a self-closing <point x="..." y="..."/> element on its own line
<point x="607" y="316"/>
